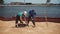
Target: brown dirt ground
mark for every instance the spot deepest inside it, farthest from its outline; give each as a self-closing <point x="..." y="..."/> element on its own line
<point x="8" y="27"/>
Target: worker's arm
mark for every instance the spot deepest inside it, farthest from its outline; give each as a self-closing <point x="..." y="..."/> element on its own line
<point x="21" y="20"/>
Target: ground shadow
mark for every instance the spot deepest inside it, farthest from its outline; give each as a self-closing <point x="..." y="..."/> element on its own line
<point x="22" y="25"/>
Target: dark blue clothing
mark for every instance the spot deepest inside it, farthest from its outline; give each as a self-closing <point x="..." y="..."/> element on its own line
<point x="32" y="13"/>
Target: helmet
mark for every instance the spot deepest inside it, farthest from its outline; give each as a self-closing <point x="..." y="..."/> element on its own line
<point x="25" y="12"/>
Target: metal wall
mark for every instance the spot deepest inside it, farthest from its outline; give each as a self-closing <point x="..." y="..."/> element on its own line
<point x="50" y="11"/>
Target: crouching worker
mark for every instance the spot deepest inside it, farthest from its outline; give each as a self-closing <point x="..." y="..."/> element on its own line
<point x="31" y="16"/>
<point x="19" y="17"/>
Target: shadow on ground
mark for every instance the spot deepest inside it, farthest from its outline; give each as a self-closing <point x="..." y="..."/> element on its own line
<point x="22" y="25"/>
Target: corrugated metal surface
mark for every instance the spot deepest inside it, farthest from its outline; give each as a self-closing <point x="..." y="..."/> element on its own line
<point x="11" y="11"/>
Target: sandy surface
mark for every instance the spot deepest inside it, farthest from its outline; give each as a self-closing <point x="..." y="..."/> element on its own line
<point x="8" y="27"/>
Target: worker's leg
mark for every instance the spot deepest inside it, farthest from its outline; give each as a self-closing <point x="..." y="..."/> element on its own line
<point x="16" y="23"/>
<point x="33" y="21"/>
<point x="28" y="20"/>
